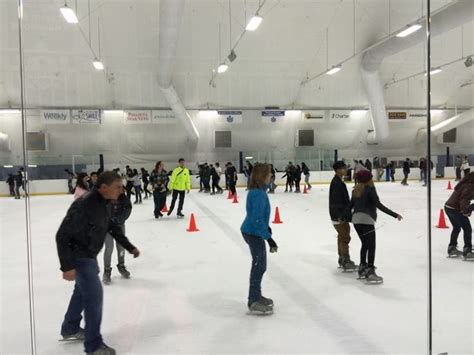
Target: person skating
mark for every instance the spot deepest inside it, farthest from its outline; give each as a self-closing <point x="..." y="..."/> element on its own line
<point x="179" y="184"/>
<point x="289" y="174"/>
<point x="70" y="177"/>
<point x="79" y="239"/>
<point x="457" y="165"/>
<point x="368" y="165"/>
<point x="137" y="186"/>
<point x="231" y="174"/>
<point x="93" y="179"/>
<point x="159" y="182"/>
<point x="406" y="171"/>
<point x="248" y="172"/>
<point x="121" y="210"/>
<point x="306" y="173"/>
<point x="297" y="179"/>
<point x="18" y="184"/>
<point x="338" y="202"/>
<point x="82" y="185"/>
<point x="255" y="230"/>
<point x="129" y="181"/>
<point x="392" y="167"/>
<point x="363" y="212"/>
<point x="206" y="178"/>
<point x="146" y="182"/>
<point x="458" y="209"/>
<point x="465" y="166"/>
<point x="215" y="180"/>
<point x="272" y="187"/>
<point x="11" y="184"/>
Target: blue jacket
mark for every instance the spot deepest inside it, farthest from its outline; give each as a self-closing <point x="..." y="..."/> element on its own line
<point x="258" y="214"/>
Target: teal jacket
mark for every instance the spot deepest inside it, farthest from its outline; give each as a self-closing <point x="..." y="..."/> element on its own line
<point x="258" y="214"/>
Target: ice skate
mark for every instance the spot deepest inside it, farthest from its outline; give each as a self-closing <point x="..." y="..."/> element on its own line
<point x="372" y="278"/>
<point x="79" y="336"/>
<point x="363" y="269"/>
<point x="266" y="301"/>
<point x="106" y="279"/>
<point x="103" y="350"/>
<point x="468" y="255"/>
<point x="212" y="193"/>
<point x="170" y="212"/>
<point x="260" y="308"/>
<point x="339" y="262"/>
<point x="348" y="265"/>
<point x="454" y="252"/>
<point x="123" y="271"/>
<point x="180" y="215"/>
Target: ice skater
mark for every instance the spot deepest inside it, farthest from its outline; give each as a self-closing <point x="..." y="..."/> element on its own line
<point x="215" y="180"/>
<point x="11" y="184"/>
<point x="255" y="230"/>
<point x="121" y="210"/>
<point x="363" y="208"/>
<point x="306" y="174"/>
<point x="231" y="175"/>
<point x="179" y="184"/>
<point x="406" y="171"/>
<point x="297" y="179"/>
<point x="79" y="239"/>
<point x="137" y="186"/>
<point x="18" y="184"/>
<point x="458" y="208"/>
<point x="159" y="182"/>
<point x="338" y="202"/>
<point x="82" y="185"/>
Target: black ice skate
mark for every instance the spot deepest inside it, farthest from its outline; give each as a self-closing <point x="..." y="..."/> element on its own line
<point x="348" y="265"/>
<point x="123" y="271"/>
<point x="468" y="255"/>
<point x="180" y="215"/>
<point x="363" y="269"/>
<point x="79" y="336"/>
<point x="103" y="350"/>
<point x="454" y="252"/>
<point x="372" y="278"/>
<point x="260" y="308"/>
<point x="106" y="279"/>
<point x="266" y="301"/>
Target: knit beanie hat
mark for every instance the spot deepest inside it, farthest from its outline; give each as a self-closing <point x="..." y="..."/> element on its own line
<point x="364" y="176"/>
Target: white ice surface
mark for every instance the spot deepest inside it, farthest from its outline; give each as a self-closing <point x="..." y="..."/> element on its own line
<point x="188" y="291"/>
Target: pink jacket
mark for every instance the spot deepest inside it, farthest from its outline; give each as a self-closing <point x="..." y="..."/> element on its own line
<point x="79" y="192"/>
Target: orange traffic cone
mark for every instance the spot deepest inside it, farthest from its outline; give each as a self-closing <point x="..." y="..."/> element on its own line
<point x="229" y="195"/>
<point x="165" y="208"/>
<point x="442" y="221"/>
<point x="192" y="224"/>
<point x="235" y="198"/>
<point x="277" y="219"/>
<point x="449" y="185"/>
<point x="305" y="191"/>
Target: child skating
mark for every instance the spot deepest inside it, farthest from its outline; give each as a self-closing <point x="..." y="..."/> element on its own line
<point x="255" y="230"/>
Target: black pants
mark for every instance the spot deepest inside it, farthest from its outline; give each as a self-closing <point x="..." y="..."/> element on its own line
<point x="232" y="187"/>
<point x="215" y="185"/>
<point x="259" y="266"/>
<point x="138" y="194"/>
<point x="458" y="173"/>
<point x="459" y="221"/>
<point x="289" y="183"/>
<point x="405" y="178"/>
<point x="206" y="183"/>
<point x="366" y="234"/>
<point x="145" y="189"/>
<point x="128" y="189"/>
<point x="466" y="172"/>
<point x="160" y="200"/>
<point x="297" y="184"/>
<point x="181" y="195"/>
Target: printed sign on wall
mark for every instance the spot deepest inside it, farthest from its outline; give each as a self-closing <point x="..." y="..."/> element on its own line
<point x="397" y="115"/>
<point x="339" y="114"/>
<point x="229" y="116"/>
<point x="162" y="116"/>
<point x="86" y="116"/>
<point x="315" y="115"/>
<point x="55" y="116"/>
<point x="417" y="114"/>
<point x="137" y="117"/>
<point x="272" y="116"/>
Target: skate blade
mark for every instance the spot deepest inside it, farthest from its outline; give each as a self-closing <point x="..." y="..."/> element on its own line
<point x="367" y="282"/>
<point x="70" y="340"/>
<point x="453" y="256"/>
<point x="467" y="260"/>
<point x="257" y="313"/>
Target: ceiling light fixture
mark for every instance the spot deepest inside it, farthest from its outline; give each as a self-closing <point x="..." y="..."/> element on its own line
<point x="408" y="31"/>
<point x="334" y="70"/>
<point x="222" y="68"/>
<point x="254" y="22"/>
<point x="9" y="111"/>
<point x="69" y="14"/>
<point x="8" y="166"/>
<point x="98" y="64"/>
<point x="113" y="112"/>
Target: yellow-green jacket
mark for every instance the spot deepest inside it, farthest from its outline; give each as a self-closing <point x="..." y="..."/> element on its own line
<point x="180" y="179"/>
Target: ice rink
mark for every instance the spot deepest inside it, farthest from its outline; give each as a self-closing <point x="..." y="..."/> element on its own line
<point x="187" y="293"/>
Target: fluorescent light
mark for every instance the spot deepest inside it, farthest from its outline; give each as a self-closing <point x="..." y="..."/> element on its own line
<point x="98" y="64"/>
<point x="411" y="29"/>
<point x="113" y="112"/>
<point x="222" y="68"/>
<point x="436" y="111"/>
<point x="9" y="111"/>
<point x="254" y="23"/>
<point x="333" y="70"/>
<point x="8" y="166"/>
<point x="69" y="14"/>
<point x="248" y="158"/>
<point x="359" y="111"/>
<point x="207" y="114"/>
<point x="32" y="166"/>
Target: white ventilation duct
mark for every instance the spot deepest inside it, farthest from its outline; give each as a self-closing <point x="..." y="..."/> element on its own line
<point x="453" y="122"/>
<point x="171" y="13"/>
<point x="450" y="17"/>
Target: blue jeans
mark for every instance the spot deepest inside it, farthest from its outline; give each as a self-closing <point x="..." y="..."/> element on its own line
<point x="87" y="297"/>
<point x="459" y="221"/>
<point x="259" y="265"/>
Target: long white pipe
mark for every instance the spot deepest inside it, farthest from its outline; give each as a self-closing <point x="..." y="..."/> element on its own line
<point x="171" y="13"/>
<point x="455" y="15"/>
<point x="453" y="122"/>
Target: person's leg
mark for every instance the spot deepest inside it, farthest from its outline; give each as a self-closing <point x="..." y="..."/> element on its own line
<point x="121" y="249"/>
<point x="467" y="230"/>
<point x="370" y="237"/>
<point x="162" y="200"/>
<point x="182" y="194"/>
<point x="109" y="248"/>
<point x="361" y="230"/>
<point x="73" y="317"/>
<point x="454" y="218"/>
<point x="173" y="201"/>
<point x="213" y="185"/>
<point x="156" y="201"/>
<point x="259" y="266"/>
<point x="343" y="239"/>
<point x="232" y="187"/>
<point x="140" y="193"/>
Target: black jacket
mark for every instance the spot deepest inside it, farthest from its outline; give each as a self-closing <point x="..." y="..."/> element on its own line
<point x="338" y="198"/>
<point x="83" y="230"/>
<point x="121" y="209"/>
<point x="406" y="167"/>
<point x="368" y="203"/>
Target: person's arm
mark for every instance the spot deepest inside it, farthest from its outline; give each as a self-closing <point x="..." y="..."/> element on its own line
<point x="74" y="219"/>
<point x="188" y="181"/>
<point x="375" y="199"/>
<point x="172" y="180"/>
<point x="465" y="200"/>
<point x="117" y="233"/>
<point x="256" y="211"/>
<point x="126" y="211"/>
